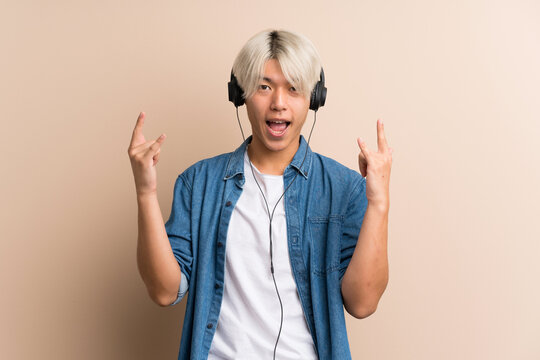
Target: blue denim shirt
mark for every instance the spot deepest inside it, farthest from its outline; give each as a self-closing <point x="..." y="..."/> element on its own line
<point x="324" y="209"/>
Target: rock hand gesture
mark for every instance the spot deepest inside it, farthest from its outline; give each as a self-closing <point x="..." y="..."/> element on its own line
<point x="375" y="167"/>
<point x="144" y="156"/>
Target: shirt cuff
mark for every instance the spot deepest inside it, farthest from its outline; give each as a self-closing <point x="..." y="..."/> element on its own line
<point x="184" y="286"/>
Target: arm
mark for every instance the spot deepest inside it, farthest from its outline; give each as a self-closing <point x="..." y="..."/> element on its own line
<point x="366" y="276"/>
<point x="155" y="259"/>
<point x="156" y="262"/>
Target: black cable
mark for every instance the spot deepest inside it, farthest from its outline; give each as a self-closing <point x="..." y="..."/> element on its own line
<point x="240" y="124"/>
<point x="272" y="216"/>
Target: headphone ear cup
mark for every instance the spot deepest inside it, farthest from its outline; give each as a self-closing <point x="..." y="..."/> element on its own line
<point x="323" y="96"/>
<point x="235" y="91"/>
<point x="318" y="95"/>
<point x="313" y="103"/>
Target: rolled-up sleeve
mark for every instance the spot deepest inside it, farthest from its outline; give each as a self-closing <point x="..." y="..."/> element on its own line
<point x="184" y="286"/>
<point x="178" y="229"/>
<point x="352" y="223"/>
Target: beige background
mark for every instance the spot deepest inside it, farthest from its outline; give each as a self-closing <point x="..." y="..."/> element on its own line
<point x="456" y="82"/>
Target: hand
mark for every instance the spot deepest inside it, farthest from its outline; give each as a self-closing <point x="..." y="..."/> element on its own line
<point x="375" y="167"/>
<point x="144" y="156"/>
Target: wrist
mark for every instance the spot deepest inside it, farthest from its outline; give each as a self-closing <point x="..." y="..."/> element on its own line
<point x="146" y="196"/>
<point x="379" y="206"/>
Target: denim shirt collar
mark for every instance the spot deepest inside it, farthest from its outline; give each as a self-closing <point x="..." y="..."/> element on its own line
<point x="235" y="165"/>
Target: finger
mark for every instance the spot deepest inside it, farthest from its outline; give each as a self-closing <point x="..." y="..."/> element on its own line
<point x="363" y="147"/>
<point x="381" y="138"/>
<point x="362" y="159"/>
<point x="145" y="148"/>
<point x="362" y="162"/>
<point x="154" y="148"/>
<point x="156" y="158"/>
<point x="137" y="137"/>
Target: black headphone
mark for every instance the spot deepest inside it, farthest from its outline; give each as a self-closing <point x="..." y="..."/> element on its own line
<point x="318" y="95"/>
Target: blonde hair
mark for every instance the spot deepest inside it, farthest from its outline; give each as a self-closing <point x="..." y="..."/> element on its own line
<point x="296" y="54"/>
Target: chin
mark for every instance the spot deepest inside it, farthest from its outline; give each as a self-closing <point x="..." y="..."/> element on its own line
<point x="279" y="145"/>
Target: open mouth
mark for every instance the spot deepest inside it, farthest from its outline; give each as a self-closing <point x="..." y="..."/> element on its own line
<point x="277" y="127"/>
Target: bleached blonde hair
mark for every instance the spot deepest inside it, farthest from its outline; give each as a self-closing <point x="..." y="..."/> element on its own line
<point x="296" y="54"/>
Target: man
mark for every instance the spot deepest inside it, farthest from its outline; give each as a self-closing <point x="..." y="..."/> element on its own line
<point x="272" y="240"/>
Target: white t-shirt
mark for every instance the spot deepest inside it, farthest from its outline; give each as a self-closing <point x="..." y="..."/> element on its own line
<point x="250" y="314"/>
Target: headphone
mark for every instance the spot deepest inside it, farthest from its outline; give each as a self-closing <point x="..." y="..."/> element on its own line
<point x="317" y="99"/>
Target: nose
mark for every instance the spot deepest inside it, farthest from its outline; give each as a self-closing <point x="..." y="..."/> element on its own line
<point x="279" y="99"/>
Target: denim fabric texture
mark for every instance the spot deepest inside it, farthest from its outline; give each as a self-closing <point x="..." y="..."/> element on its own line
<point x="324" y="208"/>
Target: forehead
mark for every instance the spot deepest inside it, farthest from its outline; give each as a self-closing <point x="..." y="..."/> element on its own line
<point x="273" y="73"/>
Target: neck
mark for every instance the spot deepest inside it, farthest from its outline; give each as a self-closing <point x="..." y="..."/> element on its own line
<point x="270" y="162"/>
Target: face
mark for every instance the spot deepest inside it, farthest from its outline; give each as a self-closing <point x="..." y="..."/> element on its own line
<point x="277" y="112"/>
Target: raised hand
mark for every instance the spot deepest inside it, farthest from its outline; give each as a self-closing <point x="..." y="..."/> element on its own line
<point x="144" y="156"/>
<point x="375" y="167"/>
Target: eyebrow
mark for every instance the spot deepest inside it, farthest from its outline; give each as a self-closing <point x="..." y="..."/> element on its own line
<point x="267" y="79"/>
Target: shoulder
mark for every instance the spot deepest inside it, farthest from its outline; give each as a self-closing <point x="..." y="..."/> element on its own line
<point x="208" y="167"/>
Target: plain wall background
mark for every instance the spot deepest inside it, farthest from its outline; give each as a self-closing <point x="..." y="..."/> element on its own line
<point x="456" y="83"/>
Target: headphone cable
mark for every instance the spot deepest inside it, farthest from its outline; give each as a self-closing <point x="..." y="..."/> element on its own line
<point x="272" y="216"/>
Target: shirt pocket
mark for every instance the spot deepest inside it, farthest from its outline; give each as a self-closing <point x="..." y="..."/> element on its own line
<point x="325" y="237"/>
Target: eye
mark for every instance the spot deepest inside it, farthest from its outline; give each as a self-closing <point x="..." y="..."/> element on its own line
<point x="293" y="89"/>
<point x="262" y="86"/>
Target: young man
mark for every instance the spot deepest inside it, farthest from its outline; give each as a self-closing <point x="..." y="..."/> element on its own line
<point x="272" y="240"/>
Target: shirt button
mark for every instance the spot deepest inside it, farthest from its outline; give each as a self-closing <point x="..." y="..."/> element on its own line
<point x="216" y="286"/>
<point x="228" y="203"/>
<point x="210" y="325"/>
<point x="219" y="244"/>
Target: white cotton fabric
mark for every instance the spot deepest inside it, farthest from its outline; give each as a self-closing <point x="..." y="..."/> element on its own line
<point x="250" y="314"/>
